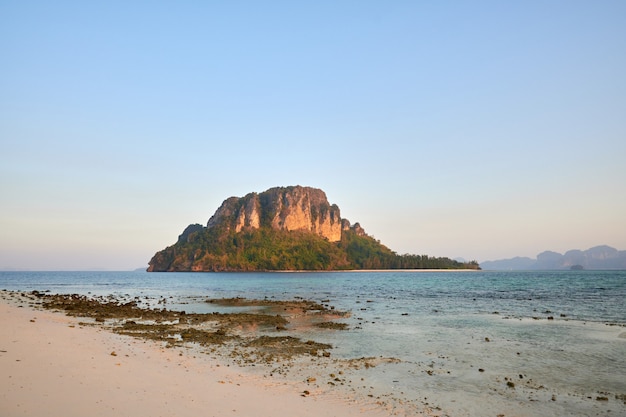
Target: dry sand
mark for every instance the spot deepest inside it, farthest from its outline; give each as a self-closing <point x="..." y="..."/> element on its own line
<point x="50" y="365"/>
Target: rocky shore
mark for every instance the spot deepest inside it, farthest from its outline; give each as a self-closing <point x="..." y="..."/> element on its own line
<point x="251" y="337"/>
<point x="279" y="349"/>
<point x="216" y="348"/>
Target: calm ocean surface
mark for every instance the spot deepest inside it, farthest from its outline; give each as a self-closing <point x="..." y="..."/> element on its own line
<point x="460" y="336"/>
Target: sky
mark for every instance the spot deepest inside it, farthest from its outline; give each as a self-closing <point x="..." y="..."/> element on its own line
<point x="475" y="129"/>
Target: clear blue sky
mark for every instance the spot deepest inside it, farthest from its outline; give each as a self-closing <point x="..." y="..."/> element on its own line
<point x="475" y="129"/>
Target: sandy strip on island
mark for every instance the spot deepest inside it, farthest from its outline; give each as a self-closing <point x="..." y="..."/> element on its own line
<point x="52" y="366"/>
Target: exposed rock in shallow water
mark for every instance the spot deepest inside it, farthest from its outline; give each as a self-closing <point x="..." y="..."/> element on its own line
<point x="176" y="328"/>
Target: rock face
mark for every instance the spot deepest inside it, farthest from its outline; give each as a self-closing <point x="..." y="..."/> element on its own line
<point x="282" y="208"/>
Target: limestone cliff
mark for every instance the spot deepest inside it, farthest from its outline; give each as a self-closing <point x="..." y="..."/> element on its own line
<point x="281" y="208"/>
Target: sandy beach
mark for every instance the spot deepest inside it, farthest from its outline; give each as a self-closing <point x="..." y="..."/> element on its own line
<point x="52" y="365"/>
<point x="118" y="355"/>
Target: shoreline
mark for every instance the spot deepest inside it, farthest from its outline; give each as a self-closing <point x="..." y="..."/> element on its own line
<point x="262" y="343"/>
<point x="305" y="271"/>
<point x="54" y="364"/>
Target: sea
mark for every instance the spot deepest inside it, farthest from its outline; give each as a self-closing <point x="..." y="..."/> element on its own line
<point x="454" y="343"/>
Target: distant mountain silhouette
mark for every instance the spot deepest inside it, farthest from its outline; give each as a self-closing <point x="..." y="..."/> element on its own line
<point x="598" y="257"/>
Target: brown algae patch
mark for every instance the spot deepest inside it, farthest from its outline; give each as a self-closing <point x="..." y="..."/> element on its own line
<point x="174" y="335"/>
<point x="281" y="306"/>
<point x="332" y="325"/>
<point x="270" y="348"/>
<point x="101" y="309"/>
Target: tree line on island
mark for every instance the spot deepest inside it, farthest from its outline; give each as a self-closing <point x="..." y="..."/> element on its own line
<point x="282" y="230"/>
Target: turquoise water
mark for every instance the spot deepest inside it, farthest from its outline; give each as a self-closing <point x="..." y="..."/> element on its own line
<point x="580" y="295"/>
<point x="459" y="336"/>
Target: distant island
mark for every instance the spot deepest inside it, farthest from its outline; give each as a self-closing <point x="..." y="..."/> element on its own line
<point x="598" y="258"/>
<point x="284" y="229"/>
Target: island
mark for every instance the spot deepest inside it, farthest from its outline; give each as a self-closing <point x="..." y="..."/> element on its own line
<point x="285" y="229"/>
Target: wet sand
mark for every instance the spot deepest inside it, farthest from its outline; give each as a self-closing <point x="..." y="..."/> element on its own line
<point x="60" y="365"/>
